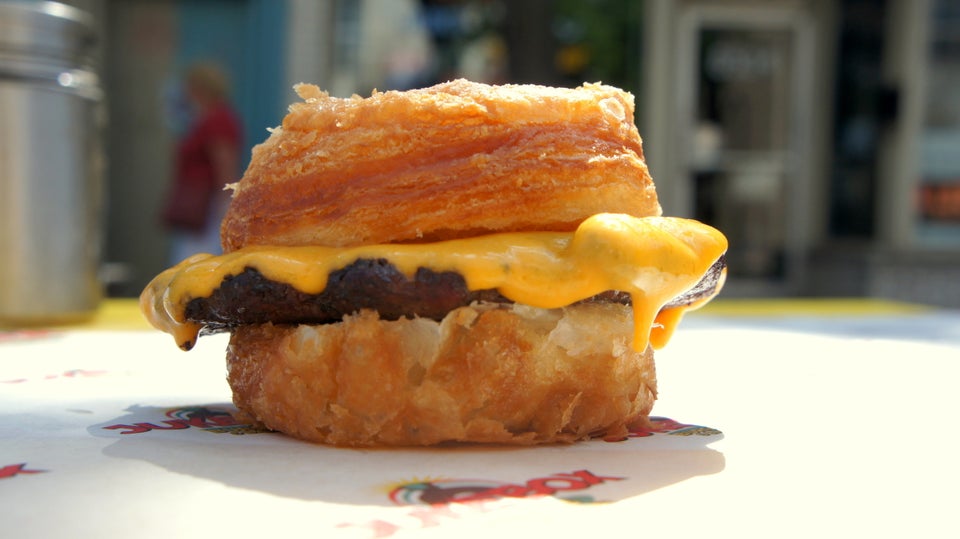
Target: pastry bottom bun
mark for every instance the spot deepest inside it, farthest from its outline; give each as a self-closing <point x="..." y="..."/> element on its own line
<point x="486" y="373"/>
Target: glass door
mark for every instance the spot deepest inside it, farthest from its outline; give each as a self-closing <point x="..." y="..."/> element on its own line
<point x="746" y="118"/>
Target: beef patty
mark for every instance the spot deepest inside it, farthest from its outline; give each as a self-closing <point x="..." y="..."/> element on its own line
<point x="251" y="298"/>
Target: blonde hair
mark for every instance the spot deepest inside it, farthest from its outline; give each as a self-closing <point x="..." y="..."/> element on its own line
<point x="208" y="79"/>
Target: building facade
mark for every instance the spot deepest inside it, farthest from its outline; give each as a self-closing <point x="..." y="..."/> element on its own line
<point x="822" y="136"/>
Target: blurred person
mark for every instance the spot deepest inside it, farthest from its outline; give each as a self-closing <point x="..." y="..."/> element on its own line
<point x="207" y="158"/>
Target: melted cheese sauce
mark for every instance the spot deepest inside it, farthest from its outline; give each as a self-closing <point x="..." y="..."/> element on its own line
<point x="654" y="259"/>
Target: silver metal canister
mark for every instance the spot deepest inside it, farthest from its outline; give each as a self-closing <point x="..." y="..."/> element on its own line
<point x="51" y="169"/>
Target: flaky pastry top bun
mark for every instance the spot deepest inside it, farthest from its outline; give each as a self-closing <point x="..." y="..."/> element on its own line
<point x="454" y="160"/>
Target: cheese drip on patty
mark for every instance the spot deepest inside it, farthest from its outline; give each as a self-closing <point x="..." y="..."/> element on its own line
<point x="653" y="259"/>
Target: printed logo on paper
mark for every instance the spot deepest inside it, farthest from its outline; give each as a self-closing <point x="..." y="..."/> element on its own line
<point x="447" y="491"/>
<point x="206" y="418"/>
<point x="432" y="502"/>
<point x="14" y="470"/>
<point x="19" y="335"/>
<point x="73" y="373"/>
<point x="665" y="425"/>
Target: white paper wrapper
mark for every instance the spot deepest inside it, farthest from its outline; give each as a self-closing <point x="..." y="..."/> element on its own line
<point x="119" y="434"/>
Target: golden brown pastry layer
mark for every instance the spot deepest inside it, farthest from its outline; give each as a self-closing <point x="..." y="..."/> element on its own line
<point x="487" y="373"/>
<point x="453" y="160"/>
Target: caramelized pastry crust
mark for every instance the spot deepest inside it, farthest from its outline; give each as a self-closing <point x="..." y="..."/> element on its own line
<point x="454" y="160"/>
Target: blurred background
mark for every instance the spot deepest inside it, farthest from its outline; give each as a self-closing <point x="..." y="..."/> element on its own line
<point x="822" y="136"/>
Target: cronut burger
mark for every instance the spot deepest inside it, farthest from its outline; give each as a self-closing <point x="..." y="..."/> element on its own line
<point x="461" y="263"/>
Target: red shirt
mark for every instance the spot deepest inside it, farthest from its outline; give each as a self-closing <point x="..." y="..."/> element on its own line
<point x="195" y="180"/>
<point x="194" y="161"/>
